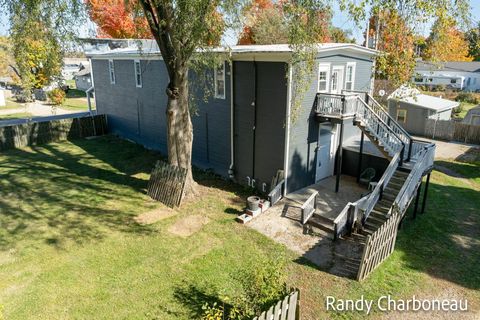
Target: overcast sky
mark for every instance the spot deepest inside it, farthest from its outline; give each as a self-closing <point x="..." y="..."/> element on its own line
<point x="340" y="19"/>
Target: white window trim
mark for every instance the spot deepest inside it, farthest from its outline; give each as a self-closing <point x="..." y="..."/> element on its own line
<point x="354" y="67"/>
<point x="323" y="67"/>
<point x="111" y="71"/>
<point x="218" y="96"/>
<point x="136" y="74"/>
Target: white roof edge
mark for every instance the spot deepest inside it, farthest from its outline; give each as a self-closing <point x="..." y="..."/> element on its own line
<point x="131" y="52"/>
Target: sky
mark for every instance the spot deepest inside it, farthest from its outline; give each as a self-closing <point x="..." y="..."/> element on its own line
<point x="340" y="19"/>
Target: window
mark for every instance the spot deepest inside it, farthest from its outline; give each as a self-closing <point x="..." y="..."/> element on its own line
<point x="350" y="76"/>
<point x="323" y="77"/>
<point x="453" y="81"/>
<point x="418" y="79"/>
<point x="430" y="80"/>
<point x="138" y="73"/>
<point x="219" y="75"/>
<point x="468" y="81"/>
<point x="111" y="71"/>
<point x="402" y="115"/>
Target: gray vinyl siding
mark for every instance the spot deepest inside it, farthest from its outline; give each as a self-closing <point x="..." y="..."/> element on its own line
<point x="304" y="130"/>
<point x="138" y="114"/>
<point x="83" y="83"/>
<point x="416" y="116"/>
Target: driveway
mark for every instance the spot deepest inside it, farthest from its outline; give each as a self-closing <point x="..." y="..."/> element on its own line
<point x="450" y="150"/>
<point x="37" y="110"/>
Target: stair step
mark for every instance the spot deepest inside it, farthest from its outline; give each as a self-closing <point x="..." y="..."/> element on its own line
<point x="370" y="226"/>
<point x="402" y="173"/>
<point x="320" y="227"/>
<point x="376" y="219"/>
<point x="389" y="196"/>
<point x="318" y="219"/>
<point x="379" y="214"/>
<point x="392" y="189"/>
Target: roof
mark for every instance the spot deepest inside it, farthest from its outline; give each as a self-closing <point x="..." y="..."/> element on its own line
<point x="150" y="48"/>
<point x="84" y="72"/>
<point x="472" y="66"/>
<point x="415" y="97"/>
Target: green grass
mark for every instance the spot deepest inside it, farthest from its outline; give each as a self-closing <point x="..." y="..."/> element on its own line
<point x="71" y="83"/>
<point x="11" y="104"/>
<point x="465" y="107"/>
<point x="76" y="104"/>
<point x="75" y="93"/>
<point x="20" y="115"/>
<point x="70" y="247"/>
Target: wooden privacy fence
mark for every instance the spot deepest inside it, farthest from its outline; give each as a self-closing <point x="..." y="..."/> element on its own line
<point x="286" y="309"/>
<point x="36" y="133"/>
<point x="379" y="246"/>
<point x="167" y="183"/>
<point x="452" y="131"/>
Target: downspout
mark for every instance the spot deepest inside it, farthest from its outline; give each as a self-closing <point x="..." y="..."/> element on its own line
<point x="89" y="90"/>
<point x="93" y="82"/>
<point x="231" y="173"/>
<point x="287" y="128"/>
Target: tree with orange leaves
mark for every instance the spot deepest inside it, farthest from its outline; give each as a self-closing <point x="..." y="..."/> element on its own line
<point x="266" y="23"/>
<point x="446" y="42"/>
<point x="118" y="19"/>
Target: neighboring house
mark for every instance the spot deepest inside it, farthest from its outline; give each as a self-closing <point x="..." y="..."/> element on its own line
<point x="83" y="80"/>
<point x="473" y="116"/>
<point x="249" y="129"/>
<point x="456" y="75"/>
<point x="73" y="65"/>
<point x="411" y="109"/>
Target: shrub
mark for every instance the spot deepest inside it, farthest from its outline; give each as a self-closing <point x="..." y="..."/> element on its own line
<point x="23" y="95"/>
<point x="263" y="283"/>
<point x="56" y="96"/>
<point x="468" y="97"/>
<point x="458" y="109"/>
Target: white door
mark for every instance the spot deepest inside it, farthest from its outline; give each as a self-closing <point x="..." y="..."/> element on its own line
<point x="325" y="156"/>
<point x="336" y="85"/>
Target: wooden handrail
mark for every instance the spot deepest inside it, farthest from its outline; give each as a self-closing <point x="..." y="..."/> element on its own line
<point x="307" y="205"/>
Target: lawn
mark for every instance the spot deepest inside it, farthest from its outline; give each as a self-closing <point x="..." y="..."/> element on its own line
<point x="76" y="104"/>
<point x="12" y="104"/>
<point x="71" y="247"/>
<point x="19" y="115"/>
<point x="76" y="100"/>
<point x="465" y="106"/>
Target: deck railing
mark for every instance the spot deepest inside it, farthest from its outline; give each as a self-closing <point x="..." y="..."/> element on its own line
<point x="309" y="207"/>
<point x="351" y="214"/>
<point x="336" y="104"/>
<point x="379" y="128"/>
<point x="424" y="162"/>
<point x="277" y="193"/>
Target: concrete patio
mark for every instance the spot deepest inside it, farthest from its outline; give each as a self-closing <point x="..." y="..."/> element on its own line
<point x="282" y="223"/>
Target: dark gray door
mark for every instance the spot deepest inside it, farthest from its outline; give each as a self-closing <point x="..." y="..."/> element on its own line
<point x="244" y="118"/>
<point x="270" y="122"/>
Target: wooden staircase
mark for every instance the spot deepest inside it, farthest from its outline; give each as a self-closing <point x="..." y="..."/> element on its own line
<point x="379" y="214"/>
<point x="377" y="142"/>
<point x="320" y="226"/>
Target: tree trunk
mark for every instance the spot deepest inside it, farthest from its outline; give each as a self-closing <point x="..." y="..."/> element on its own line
<point x="179" y="128"/>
